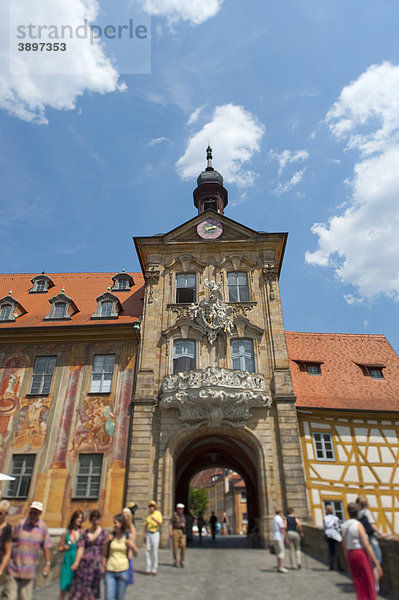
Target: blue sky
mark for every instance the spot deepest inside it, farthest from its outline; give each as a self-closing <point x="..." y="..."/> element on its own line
<point x="300" y="101"/>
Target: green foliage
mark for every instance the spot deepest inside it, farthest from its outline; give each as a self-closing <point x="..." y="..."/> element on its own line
<point x="198" y="500"/>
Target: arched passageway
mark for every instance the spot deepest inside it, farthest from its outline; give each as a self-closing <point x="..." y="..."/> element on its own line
<point x="218" y="451"/>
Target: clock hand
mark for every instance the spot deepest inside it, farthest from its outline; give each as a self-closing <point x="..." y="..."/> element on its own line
<point x="210" y="227"/>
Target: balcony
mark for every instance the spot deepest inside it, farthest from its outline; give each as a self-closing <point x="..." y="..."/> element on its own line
<point x="214" y="396"/>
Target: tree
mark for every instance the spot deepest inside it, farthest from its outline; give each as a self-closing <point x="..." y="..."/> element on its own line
<point x="198" y="500"/>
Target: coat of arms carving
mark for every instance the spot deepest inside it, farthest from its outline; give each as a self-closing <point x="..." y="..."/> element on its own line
<point x="212" y="314"/>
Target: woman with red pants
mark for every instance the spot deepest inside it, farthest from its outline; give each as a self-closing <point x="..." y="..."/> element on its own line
<point x="360" y="555"/>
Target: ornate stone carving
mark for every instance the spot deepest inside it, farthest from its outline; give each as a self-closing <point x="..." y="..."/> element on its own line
<point x="241" y="310"/>
<point x="180" y="310"/>
<point x="151" y="279"/>
<point x="212" y="314"/>
<point x="270" y="275"/>
<point x="213" y="396"/>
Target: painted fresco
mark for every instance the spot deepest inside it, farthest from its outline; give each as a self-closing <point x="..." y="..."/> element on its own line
<point x="32" y="423"/>
<point x="10" y="387"/>
<point x="95" y="426"/>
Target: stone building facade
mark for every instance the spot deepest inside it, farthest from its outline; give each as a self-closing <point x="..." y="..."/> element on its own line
<point x="213" y="382"/>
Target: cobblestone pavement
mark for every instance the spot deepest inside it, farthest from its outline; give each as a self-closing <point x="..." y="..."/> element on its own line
<point x="228" y="570"/>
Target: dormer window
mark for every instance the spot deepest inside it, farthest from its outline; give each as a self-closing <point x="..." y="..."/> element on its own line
<point x="373" y="371"/>
<point x="5" y="312"/>
<point x="41" y="284"/>
<point x="122" y="282"/>
<point x="313" y="368"/>
<point x="10" y="309"/>
<point x="108" y="307"/>
<point x="59" y="310"/>
<point x="62" y="308"/>
<point x="310" y="367"/>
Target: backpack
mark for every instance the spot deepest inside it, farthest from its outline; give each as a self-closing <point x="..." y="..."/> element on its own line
<point x="367" y="525"/>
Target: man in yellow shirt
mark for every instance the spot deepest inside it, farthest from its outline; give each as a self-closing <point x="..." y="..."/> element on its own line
<point x="151" y="535"/>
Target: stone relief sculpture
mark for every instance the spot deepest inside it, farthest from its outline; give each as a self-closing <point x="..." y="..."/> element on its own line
<point x="212" y="314"/>
<point x="213" y="396"/>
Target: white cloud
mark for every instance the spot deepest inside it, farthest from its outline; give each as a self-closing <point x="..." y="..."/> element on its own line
<point x="288" y="156"/>
<point x="193" y="11"/>
<point x="374" y="95"/>
<point x="234" y="135"/>
<point x="27" y="95"/>
<point x="193" y="118"/>
<point x="361" y="244"/>
<point x="282" y="188"/>
<point x="156" y="141"/>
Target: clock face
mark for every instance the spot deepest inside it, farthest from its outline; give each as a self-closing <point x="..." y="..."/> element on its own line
<point x="209" y="229"/>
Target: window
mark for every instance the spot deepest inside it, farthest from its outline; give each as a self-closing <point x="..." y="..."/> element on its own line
<point x="106" y="309"/>
<point x="185" y="288"/>
<point x="123" y="284"/>
<point x="88" y="477"/>
<point x="313" y="368"/>
<point x="337" y="506"/>
<point x="376" y="373"/>
<point x="42" y="374"/>
<point x="210" y="204"/>
<point x="59" y="310"/>
<point x="242" y="355"/>
<point x="244" y="496"/>
<point x="324" y="446"/>
<point x="40" y="286"/>
<point x="22" y="470"/>
<point x="5" y="312"/>
<point x="237" y="283"/>
<point x="244" y="518"/>
<point x="183" y="355"/>
<point x="101" y="379"/>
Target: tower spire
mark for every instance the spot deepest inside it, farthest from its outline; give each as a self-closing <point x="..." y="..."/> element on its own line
<point x="209" y="158"/>
<point x="210" y="193"/>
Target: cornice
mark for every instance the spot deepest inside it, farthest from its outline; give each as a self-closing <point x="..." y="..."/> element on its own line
<point x="114" y="332"/>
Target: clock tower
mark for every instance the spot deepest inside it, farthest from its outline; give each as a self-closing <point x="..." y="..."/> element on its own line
<point x="210" y="193"/>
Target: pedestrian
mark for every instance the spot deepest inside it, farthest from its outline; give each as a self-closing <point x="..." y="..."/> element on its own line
<point x="200" y="524"/>
<point x="30" y="538"/>
<point x="88" y="561"/>
<point x="151" y="535"/>
<point x="213" y="520"/>
<point x="177" y="531"/>
<point x="331" y="526"/>
<point x="360" y="555"/>
<point x="294" y="534"/>
<point x="118" y="551"/>
<point x="132" y="506"/>
<point x="127" y="514"/>
<point x="5" y="536"/>
<point x="366" y="518"/>
<point x="189" y="525"/>
<point x="225" y="524"/>
<point x="69" y="545"/>
<point x="280" y="538"/>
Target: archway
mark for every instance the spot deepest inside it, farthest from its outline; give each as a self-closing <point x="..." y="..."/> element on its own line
<point x="218" y="450"/>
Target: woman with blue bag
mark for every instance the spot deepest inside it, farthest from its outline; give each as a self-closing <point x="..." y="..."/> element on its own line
<point x="117" y="552"/>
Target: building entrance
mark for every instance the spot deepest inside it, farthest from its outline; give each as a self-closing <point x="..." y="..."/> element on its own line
<point x="223" y="450"/>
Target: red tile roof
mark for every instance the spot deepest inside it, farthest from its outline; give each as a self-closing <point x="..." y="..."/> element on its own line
<point x="82" y="288"/>
<point x="342" y="383"/>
